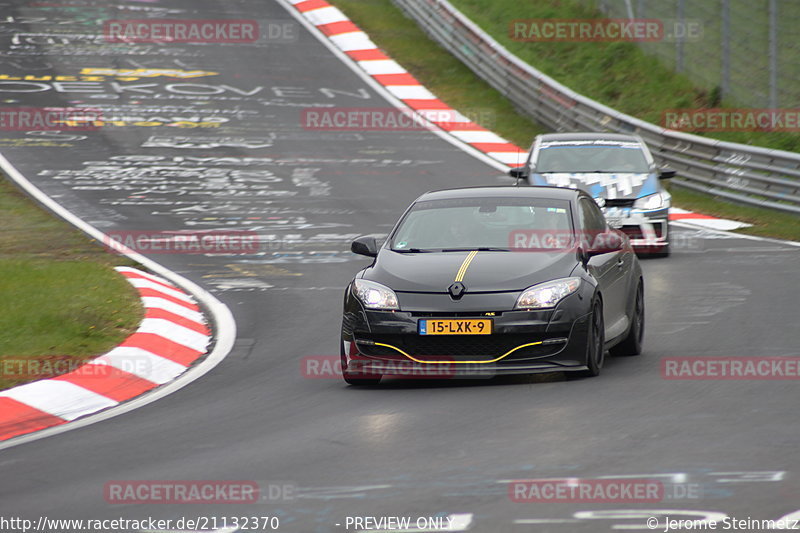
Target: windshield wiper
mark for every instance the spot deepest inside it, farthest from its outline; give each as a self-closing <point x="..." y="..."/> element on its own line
<point x="413" y="250"/>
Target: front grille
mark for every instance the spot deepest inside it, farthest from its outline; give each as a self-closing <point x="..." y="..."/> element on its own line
<point x="620" y="202"/>
<point x="481" y="314"/>
<point x="457" y="347"/>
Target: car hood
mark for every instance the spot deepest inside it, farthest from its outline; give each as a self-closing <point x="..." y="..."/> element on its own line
<point x="602" y="185"/>
<point x="487" y="272"/>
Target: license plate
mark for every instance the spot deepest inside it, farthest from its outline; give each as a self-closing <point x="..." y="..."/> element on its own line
<point x="455" y="326"/>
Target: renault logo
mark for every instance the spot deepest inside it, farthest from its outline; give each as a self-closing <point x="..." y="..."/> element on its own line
<point x="457" y="290"/>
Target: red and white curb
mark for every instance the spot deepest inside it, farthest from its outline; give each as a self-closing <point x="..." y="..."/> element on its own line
<point x="677" y="214"/>
<point x="357" y="45"/>
<point x="172" y="336"/>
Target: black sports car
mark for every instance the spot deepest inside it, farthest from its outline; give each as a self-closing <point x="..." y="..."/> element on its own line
<point x="484" y="281"/>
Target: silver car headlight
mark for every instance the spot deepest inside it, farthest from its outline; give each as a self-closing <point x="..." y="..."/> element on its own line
<point x="374" y="295"/>
<point x="548" y="294"/>
<point x="651" y="202"/>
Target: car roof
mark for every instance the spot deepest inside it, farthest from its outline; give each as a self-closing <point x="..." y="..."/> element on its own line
<point x="543" y="191"/>
<point x="588" y="136"/>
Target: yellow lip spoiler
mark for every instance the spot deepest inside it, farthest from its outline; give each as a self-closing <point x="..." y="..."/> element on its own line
<point x="445" y="362"/>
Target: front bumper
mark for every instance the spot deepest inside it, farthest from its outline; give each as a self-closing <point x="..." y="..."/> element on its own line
<point x="646" y="229"/>
<point x="521" y="342"/>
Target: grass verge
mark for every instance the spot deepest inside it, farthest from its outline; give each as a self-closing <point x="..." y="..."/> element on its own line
<point x="61" y="302"/>
<point x="618" y="74"/>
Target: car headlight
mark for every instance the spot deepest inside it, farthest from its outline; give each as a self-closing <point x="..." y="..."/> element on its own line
<point x="374" y="295"/>
<point x="650" y="202"/>
<point x="547" y="294"/>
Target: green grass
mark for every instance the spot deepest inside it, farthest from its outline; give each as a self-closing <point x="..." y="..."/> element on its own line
<point x="618" y="74"/>
<point x="60" y="299"/>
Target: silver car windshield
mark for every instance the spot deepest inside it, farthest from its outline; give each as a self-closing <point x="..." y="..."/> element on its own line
<point x="573" y="158"/>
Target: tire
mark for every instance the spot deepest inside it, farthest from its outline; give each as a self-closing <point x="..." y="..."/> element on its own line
<point x="357" y="379"/>
<point x="595" y="343"/>
<point x="632" y="344"/>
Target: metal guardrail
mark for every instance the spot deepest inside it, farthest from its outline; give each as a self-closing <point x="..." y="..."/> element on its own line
<point x="741" y="173"/>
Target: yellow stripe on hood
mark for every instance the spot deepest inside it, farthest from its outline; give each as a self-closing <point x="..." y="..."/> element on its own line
<point x="465" y="265"/>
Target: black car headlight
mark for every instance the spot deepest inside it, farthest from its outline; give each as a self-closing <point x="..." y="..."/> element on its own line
<point x="548" y="294"/>
<point x="374" y="295"/>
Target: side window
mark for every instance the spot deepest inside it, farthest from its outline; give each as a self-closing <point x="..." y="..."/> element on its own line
<point x="592" y="218"/>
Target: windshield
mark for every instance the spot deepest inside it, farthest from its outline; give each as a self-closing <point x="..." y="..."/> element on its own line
<point x="478" y="223"/>
<point x="572" y="157"/>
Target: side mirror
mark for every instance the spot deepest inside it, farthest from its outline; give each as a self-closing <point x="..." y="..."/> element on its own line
<point x="365" y="246"/>
<point x="606" y="242"/>
<point x="518" y="173"/>
<point x="666" y="173"/>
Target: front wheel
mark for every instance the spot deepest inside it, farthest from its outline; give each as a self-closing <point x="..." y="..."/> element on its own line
<point x="632" y="345"/>
<point x="595" y="343"/>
